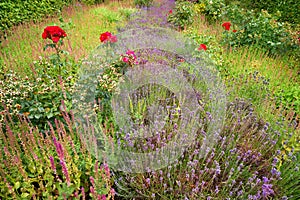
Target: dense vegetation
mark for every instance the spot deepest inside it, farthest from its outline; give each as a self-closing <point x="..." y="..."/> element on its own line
<point x="64" y="119"/>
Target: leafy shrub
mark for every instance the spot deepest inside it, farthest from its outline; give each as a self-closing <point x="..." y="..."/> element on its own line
<point x="127" y="12"/>
<point x="289" y="97"/>
<point x="143" y="3"/>
<point x="199" y="8"/>
<point x="287" y="11"/>
<point x="15" y="12"/>
<point x="262" y="30"/>
<point x="183" y="14"/>
<point x="213" y="9"/>
<point x="39" y="100"/>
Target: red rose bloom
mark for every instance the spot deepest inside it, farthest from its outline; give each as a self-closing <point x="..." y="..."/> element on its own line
<point x="234" y="31"/>
<point x="107" y="36"/>
<point x="53" y="33"/>
<point x="202" y="47"/>
<point x="226" y="25"/>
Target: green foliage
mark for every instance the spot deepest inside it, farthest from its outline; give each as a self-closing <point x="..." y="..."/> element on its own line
<point x="15" y="12"/>
<point x="45" y="166"/>
<point x="183" y="14"/>
<point x="287" y="11"/>
<point x="40" y="100"/>
<point x="199" y="8"/>
<point x="289" y="97"/>
<point x="261" y="29"/>
<point x="107" y="16"/>
<point x="126" y="12"/>
<point x="213" y="9"/>
<point x="143" y="3"/>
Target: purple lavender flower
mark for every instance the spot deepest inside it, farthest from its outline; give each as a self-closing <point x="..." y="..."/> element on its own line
<point x="275" y="172"/>
<point x="148" y="181"/>
<point x="267" y="190"/>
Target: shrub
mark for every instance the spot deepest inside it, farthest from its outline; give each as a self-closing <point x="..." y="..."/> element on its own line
<point x="262" y="30"/>
<point x="15" y="12"/>
<point x="183" y="14"/>
<point x="213" y="9"/>
<point x="287" y="11"/>
<point x="39" y="100"/>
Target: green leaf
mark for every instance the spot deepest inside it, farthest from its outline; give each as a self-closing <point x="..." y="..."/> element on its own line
<point x="17" y="185"/>
<point x="49" y="115"/>
<point x="24" y="195"/>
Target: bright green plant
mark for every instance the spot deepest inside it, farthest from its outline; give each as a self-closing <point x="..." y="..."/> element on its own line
<point x="127" y="12"/>
<point x="289" y="97"/>
<point x="183" y="14"/>
<point x="287" y="11"/>
<point x="262" y="30"/>
<point x="213" y="9"/>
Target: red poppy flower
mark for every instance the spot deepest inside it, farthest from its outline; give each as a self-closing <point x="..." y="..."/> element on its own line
<point x="107" y="36"/>
<point x="54" y="33"/>
<point x="226" y="25"/>
<point x="234" y="31"/>
<point x="202" y="47"/>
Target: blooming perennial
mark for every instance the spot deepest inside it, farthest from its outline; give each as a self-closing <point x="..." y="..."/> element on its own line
<point x="202" y="47"/>
<point x="54" y="33"/>
<point x="129" y="58"/>
<point x="226" y="25"/>
<point x="108" y="37"/>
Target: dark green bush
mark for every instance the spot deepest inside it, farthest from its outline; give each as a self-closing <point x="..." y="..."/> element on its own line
<point x="14" y="12"/>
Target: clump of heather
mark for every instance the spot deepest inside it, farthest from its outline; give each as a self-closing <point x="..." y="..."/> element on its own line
<point x="53" y="164"/>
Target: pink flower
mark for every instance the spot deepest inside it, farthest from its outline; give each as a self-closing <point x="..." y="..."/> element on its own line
<point x="129" y="52"/>
<point x="202" y="47"/>
<point x="113" y="39"/>
<point x="226" y="25"/>
<point x="125" y="59"/>
<point x="170" y="11"/>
